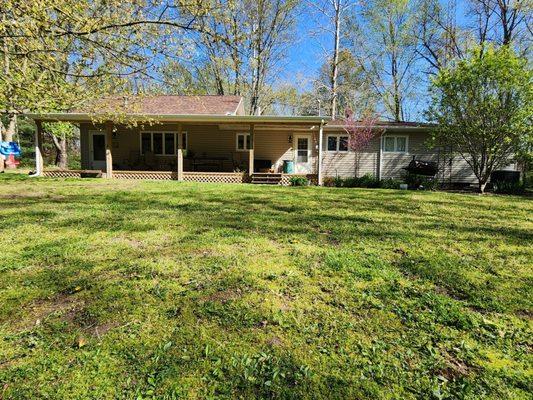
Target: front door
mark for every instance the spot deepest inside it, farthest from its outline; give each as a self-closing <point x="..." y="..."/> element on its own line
<point x="97" y="150"/>
<point x="302" y="156"/>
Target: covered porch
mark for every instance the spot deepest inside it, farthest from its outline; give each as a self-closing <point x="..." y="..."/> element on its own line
<point x="216" y="149"/>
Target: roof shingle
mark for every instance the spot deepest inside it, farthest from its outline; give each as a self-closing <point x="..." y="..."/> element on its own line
<point x="167" y="105"/>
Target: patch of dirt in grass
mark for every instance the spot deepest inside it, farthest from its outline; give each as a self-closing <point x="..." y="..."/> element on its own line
<point x="525" y="314"/>
<point x="34" y="195"/>
<point x="223" y="296"/>
<point x="274" y="341"/>
<point x="101" y="330"/>
<point x="63" y="304"/>
<point x="454" y="368"/>
<point x="136" y="244"/>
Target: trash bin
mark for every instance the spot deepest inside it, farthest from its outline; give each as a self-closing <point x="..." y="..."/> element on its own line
<point x="288" y="167"/>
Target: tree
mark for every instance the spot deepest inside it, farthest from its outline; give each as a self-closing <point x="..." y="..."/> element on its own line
<point x="57" y="57"/>
<point x="334" y="13"/>
<point x="440" y="39"/>
<point x="60" y="133"/>
<point x="483" y="106"/>
<point x="386" y="49"/>
<point x="503" y="22"/>
<point x="360" y="133"/>
<point x="241" y="44"/>
<point x="352" y="90"/>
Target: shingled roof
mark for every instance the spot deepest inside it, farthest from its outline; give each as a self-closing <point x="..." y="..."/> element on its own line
<point x="169" y="105"/>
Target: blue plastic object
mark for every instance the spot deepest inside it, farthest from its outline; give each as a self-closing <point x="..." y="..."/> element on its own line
<point x="288" y="167"/>
<point x="9" y="148"/>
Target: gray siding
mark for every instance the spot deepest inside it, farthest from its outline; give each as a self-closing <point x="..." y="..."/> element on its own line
<point x="392" y="164"/>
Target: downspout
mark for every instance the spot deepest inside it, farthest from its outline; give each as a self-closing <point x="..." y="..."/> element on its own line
<point x="320" y="135"/>
<point x="380" y="155"/>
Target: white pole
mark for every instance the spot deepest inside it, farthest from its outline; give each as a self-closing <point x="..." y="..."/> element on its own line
<point x="320" y="135"/>
<point x="38" y="148"/>
<point x="380" y="155"/>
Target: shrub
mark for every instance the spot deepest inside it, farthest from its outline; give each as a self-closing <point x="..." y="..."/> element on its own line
<point x="365" y="181"/>
<point x="504" y="187"/>
<point x="338" y="181"/>
<point x="390" y="183"/>
<point x="416" y="182"/>
<point x="328" y="181"/>
<point x="299" y="181"/>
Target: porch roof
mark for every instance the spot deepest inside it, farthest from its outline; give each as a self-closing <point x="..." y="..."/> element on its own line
<point x="185" y="118"/>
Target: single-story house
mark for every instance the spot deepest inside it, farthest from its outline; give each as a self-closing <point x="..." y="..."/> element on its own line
<point x="211" y="139"/>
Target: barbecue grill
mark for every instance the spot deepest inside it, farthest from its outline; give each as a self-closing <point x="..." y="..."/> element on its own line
<point x="425" y="168"/>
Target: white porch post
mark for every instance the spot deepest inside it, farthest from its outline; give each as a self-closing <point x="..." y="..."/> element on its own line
<point x="180" y="153"/>
<point x="108" y="150"/>
<point x="251" y="151"/>
<point x="320" y="141"/>
<point x="39" y="163"/>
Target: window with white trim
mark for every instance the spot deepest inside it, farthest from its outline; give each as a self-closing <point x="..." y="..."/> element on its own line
<point x="162" y="143"/>
<point x="395" y="144"/>
<point x="242" y="141"/>
<point x="337" y="143"/>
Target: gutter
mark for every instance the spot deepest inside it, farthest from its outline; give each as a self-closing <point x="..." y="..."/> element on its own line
<point x="71" y="117"/>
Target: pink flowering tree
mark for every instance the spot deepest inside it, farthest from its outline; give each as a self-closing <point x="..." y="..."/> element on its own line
<point x="360" y="133"/>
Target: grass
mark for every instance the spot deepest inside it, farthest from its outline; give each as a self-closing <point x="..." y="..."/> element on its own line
<point x="121" y="289"/>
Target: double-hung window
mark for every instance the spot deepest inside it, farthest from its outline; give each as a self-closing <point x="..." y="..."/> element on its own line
<point x="337" y="143"/>
<point x="243" y="141"/>
<point x="395" y="144"/>
<point x="162" y="143"/>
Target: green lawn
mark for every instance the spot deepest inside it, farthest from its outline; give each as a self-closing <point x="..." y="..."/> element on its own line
<point x="121" y="289"/>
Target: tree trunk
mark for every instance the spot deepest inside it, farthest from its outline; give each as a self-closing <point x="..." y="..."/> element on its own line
<point x="61" y="151"/>
<point x="335" y="66"/>
<point x="482" y="184"/>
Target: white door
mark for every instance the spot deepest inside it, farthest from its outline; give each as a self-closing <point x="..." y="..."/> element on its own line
<point x="302" y="156"/>
<point x="97" y="150"/>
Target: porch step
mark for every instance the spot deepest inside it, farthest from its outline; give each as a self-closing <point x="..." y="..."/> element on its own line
<point x="266" y="179"/>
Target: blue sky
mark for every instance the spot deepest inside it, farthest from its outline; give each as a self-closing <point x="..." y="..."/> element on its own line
<point x="306" y="55"/>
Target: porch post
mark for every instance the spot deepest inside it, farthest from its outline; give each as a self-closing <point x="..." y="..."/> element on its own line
<point x="108" y="150"/>
<point x="179" y="153"/>
<point x="39" y="164"/>
<point x="320" y="139"/>
<point x="251" y="151"/>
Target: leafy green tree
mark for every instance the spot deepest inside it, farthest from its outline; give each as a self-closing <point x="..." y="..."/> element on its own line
<point x="483" y="106"/>
<point x="60" y="56"/>
<point x="385" y="46"/>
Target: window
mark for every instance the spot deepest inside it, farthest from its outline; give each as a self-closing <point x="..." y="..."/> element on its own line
<point x="337" y="143"/>
<point x="302" y="153"/>
<point x="243" y="141"/>
<point x="332" y="143"/>
<point x="170" y="144"/>
<point x="157" y="143"/>
<point x="343" y="143"/>
<point x="395" y="144"/>
<point x="146" y="142"/>
<point x="161" y="143"/>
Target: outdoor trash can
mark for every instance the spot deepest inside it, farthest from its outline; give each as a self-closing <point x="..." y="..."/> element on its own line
<point x="288" y="167"/>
